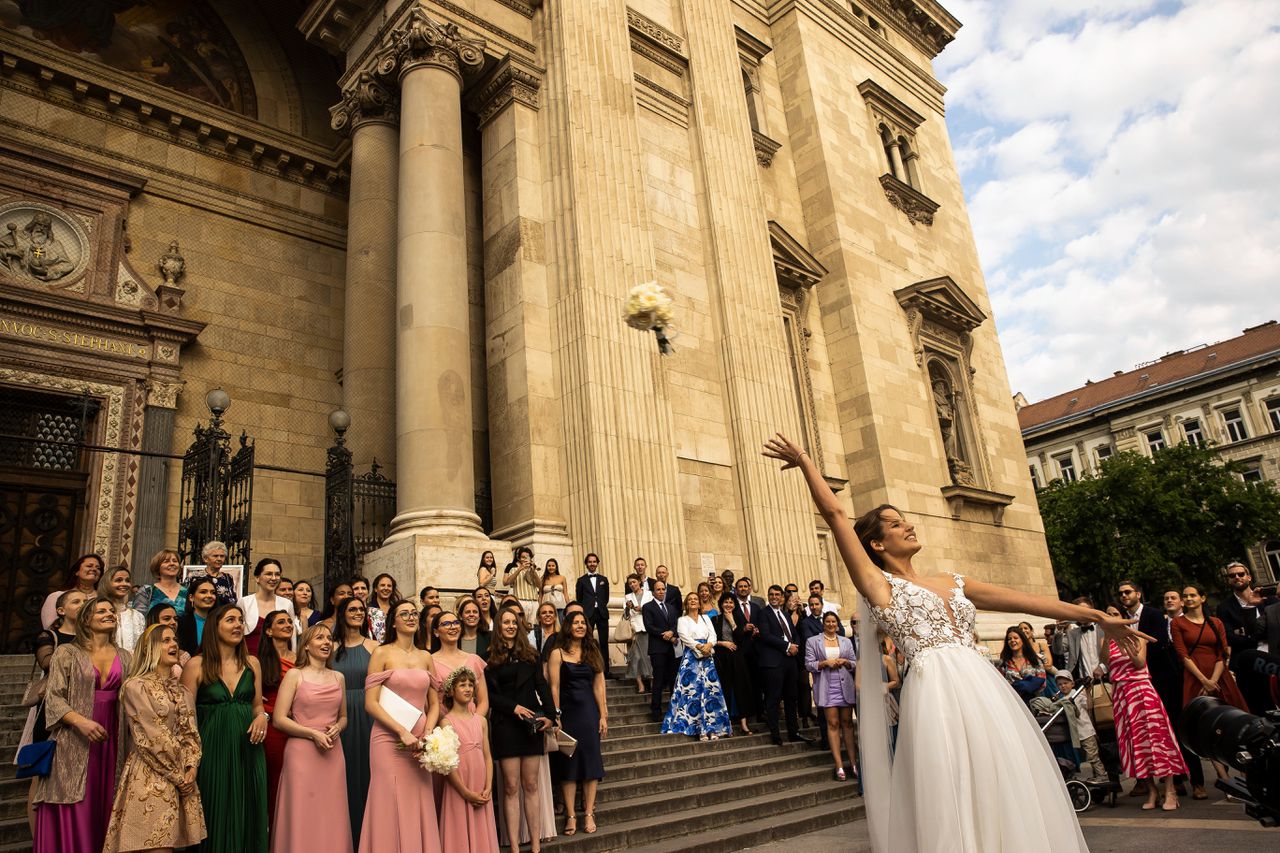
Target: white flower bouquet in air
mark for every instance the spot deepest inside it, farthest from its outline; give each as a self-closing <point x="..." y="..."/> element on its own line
<point x="438" y="751"/>
<point x="649" y="309"/>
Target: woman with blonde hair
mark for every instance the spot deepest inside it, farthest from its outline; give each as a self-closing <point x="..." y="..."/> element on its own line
<point x="157" y="804"/>
<point x="73" y="803"/>
<point x="166" y="588"/>
<point x="116" y="586"/>
<point x="311" y="806"/>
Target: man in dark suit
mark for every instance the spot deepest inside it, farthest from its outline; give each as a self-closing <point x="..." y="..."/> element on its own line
<point x="1265" y="664"/>
<point x="745" y="614"/>
<point x="776" y="649"/>
<point x="660" y="617"/>
<point x="1240" y="613"/>
<point x="592" y="592"/>
<point x="674" y="598"/>
<point x="640" y="568"/>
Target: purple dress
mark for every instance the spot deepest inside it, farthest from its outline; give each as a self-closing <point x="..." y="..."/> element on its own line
<point x="83" y="825"/>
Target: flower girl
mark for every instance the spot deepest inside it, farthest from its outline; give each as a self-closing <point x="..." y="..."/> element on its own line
<point x="466" y="811"/>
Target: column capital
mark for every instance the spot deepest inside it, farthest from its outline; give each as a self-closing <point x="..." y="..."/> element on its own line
<point x="364" y="100"/>
<point x="514" y="79"/>
<point x="419" y="42"/>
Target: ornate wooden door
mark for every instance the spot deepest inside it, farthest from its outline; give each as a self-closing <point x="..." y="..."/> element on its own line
<point x="37" y="543"/>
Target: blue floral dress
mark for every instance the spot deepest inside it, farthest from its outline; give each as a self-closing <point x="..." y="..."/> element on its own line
<point x="697" y="703"/>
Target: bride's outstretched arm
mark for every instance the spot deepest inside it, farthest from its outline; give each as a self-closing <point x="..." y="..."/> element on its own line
<point x="989" y="596"/>
<point x="866" y="577"/>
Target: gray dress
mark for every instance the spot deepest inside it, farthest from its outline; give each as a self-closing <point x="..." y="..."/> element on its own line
<point x="354" y="666"/>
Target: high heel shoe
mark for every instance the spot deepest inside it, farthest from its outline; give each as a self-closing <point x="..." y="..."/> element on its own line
<point x="1170" y="805"/>
<point x="571" y="825"/>
<point x="840" y="777"/>
<point x="589" y="822"/>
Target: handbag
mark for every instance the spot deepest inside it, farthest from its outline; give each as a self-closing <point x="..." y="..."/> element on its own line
<point x="34" y="694"/>
<point x="625" y="633"/>
<point x="36" y="759"/>
<point x="1100" y="700"/>
<point x="561" y="742"/>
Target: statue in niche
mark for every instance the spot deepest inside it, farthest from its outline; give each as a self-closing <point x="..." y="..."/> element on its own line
<point x="34" y="251"/>
<point x="944" y="407"/>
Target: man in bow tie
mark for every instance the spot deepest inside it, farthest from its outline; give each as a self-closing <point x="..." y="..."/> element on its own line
<point x="593" y="592"/>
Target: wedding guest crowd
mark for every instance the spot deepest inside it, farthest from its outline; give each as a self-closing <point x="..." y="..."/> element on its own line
<point x="1189" y="654"/>
<point x="186" y="715"/>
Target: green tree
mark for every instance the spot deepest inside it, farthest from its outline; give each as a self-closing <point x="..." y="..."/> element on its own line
<point x="1162" y="521"/>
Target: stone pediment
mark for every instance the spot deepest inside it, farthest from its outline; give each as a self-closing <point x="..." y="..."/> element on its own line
<point x="66" y="279"/>
<point x="941" y="301"/>
<point x="793" y="263"/>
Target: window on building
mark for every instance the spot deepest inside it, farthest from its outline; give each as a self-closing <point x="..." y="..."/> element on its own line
<point x="1272" y="551"/>
<point x="1155" y="440"/>
<point x="1236" y="430"/>
<point x="1273" y="414"/>
<point x="1102" y="452"/>
<point x="1191" y="429"/>
<point x="1035" y="477"/>
<point x="1252" y="474"/>
<point x="1066" y="467"/>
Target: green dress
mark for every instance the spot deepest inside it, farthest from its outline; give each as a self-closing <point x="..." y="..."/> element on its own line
<point x="233" y="771"/>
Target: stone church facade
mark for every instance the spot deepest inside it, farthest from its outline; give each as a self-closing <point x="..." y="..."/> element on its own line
<point x="429" y="214"/>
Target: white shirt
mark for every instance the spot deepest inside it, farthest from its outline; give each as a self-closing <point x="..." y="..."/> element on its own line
<point x="1089" y="651"/>
<point x="637" y="602"/>
<point x="249" y="604"/>
<point x="1084" y="723"/>
<point x="695" y="632"/>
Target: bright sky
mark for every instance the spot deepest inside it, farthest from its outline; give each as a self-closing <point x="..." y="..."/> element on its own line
<point x="1121" y="162"/>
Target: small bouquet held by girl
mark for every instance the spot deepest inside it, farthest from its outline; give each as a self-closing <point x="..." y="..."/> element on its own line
<point x="649" y="310"/>
<point x="438" y="751"/>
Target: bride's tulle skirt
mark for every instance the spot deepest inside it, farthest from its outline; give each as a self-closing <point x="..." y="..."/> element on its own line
<point x="972" y="772"/>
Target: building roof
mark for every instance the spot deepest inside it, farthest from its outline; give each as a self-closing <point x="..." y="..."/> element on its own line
<point x="1173" y="367"/>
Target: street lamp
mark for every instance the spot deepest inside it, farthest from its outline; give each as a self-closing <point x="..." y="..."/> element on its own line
<point x="340" y="422"/>
<point x="218" y="402"/>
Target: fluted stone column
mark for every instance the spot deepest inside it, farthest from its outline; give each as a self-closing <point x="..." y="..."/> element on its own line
<point x="525" y="421"/>
<point x="778" y="521"/>
<point x="368" y="111"/>
<point x="435" y="477"/>
<point x="620" y="450"/>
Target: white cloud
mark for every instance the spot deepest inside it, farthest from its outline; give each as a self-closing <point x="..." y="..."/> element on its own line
<point x="1121" y="160"/>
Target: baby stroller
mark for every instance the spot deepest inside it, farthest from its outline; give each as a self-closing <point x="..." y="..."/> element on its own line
<point x="1056" y="729"/>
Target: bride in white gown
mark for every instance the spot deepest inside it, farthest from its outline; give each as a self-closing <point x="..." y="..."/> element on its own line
<point x="972" y="773"/>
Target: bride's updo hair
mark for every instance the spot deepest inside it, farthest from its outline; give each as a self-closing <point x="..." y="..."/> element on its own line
<point x="869" y="527"/>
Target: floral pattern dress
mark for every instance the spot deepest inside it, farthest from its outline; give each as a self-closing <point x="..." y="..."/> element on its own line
<point x="697" y="703"/>
<point x="149" y="812"/>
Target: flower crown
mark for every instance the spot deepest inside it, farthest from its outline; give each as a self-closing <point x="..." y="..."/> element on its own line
<point x="453" y="677"/>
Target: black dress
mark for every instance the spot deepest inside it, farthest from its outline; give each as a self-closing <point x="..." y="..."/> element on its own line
<point x="513" y="683"/>
<point x="735" y="677"/>
<point x="580" y="717"/>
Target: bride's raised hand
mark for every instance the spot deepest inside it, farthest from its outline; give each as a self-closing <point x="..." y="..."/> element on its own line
<point x="781" y="447"/>
<point x="1122" y="631"/>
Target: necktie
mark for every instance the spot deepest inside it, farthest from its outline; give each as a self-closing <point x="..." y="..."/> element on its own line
<point x="746" y="609"/>
<point x="786" y="629"/>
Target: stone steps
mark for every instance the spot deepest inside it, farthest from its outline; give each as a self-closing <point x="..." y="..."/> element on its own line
<point x="675" y="794"/>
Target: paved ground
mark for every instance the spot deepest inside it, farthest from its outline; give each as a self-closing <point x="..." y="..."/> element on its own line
<point x="1207" y="826"/>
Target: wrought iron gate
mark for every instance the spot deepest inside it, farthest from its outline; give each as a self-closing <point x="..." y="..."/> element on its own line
<point x="217" y="494"/>
<point x="358" y="509"/>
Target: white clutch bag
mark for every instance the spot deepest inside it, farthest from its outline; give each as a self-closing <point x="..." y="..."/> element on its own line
<point x="399" y="710"/>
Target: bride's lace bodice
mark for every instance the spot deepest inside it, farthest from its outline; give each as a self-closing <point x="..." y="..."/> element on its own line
<point x="919" y="620"/>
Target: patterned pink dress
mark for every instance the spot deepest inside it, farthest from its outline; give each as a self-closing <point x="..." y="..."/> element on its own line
<point x="1147" y="745"/>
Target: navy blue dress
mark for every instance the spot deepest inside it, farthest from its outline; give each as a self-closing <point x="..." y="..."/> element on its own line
<point x="580" y="717"/>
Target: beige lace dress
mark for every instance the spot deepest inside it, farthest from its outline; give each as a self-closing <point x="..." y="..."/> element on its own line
<point x="163" y="742"/>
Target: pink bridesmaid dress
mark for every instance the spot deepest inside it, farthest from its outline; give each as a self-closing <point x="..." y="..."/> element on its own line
<point x="400" y="814"/>
<point x="462" y="825"/>
<point x="311" y="807"/>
